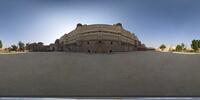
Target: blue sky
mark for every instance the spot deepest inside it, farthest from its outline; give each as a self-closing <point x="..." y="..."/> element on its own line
<point x="154" y="21"/>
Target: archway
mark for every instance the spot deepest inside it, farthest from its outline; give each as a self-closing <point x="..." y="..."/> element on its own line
<point x="53" y="49"/>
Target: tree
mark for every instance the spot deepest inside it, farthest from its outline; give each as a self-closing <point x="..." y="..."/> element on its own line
<point x="14" y="47"/>
<point x="21" y="46"/>
<point x="195" y="45"/>
<point x="198" y="41"/>
<point x="162" y="47"/>
<point x="179" y="47"/>
<point x="183" y="46"/>
<point x="9" y="49"/>
<point x="1" y="45"/>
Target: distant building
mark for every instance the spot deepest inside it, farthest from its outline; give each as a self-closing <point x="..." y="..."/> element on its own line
<point x="38" y="47"/>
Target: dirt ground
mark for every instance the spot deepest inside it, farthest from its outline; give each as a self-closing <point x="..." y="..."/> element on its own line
<point x="140" y="73"/>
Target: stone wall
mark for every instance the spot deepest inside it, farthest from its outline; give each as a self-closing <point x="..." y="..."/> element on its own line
<point x="99" y="38"/>
<point x="99" y="46"/>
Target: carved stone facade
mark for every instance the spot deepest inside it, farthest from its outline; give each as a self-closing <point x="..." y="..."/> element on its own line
<point x="99" y="38"/>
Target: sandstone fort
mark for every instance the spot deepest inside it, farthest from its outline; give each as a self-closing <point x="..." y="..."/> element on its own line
<point x="95" y="38"/>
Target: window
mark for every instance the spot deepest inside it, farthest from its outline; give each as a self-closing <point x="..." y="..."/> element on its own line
<point x="88" y="43"/>
<point x="99" y="41"/>
<point x="88" y="51"/>
<point x="135" y="45"/>
<point x="111" y="42"/>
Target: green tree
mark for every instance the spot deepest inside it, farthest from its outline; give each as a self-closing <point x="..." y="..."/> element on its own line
<point x="179" y="47"/>
<point x="195" y="45"/>
<point x="162" y="47"/>
<point x="9" y="49"/>
<point x="14" y="47"/>
<point x="183" y="46"/>
<point x="198" y="41"/>
<point x="1" y="45"/>
<point x="21" y="46"/>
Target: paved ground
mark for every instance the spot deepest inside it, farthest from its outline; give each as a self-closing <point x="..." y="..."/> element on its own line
<point x="119" y="74"/>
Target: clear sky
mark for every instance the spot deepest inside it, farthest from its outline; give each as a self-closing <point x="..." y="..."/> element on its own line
<point x="153" y="21"/>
